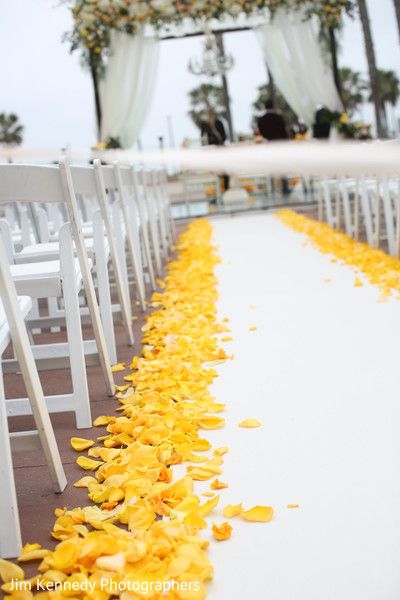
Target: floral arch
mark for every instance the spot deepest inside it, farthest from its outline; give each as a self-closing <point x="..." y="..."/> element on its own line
<point x="102" y="27"/>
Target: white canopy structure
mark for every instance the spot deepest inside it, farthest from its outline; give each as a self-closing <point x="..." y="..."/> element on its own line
<point x="289" y="43"/>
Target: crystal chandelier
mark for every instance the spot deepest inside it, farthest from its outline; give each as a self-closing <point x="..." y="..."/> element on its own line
<point x="213" y="62"/>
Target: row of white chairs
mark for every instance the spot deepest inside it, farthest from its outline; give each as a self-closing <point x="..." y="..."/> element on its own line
<point x="369" y="205"/>
<point x="71" y="236"/>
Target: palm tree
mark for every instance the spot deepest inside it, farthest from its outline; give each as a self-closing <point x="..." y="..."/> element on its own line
<point x="389" y="86"/>
<point x="353" y="88"/>
<point x="372" y="68"/>
<point x="206" y="96"/>
<point x="397" y="11"/>
<point x="10" y="129"/>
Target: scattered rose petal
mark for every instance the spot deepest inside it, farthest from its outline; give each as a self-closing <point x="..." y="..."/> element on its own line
<point x="232" y="510"/>
<point x="80" y="444"/>
<point x="250" y="423"/>
<point x="222" y="532"/>
<point x="259" y="514"/>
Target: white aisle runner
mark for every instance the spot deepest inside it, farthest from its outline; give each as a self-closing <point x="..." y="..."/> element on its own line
<point x="322" y="373"/>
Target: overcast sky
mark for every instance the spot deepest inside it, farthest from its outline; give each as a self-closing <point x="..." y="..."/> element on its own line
<point x="47" y="87"/>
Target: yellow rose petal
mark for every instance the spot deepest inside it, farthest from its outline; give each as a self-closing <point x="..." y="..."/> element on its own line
<point x="9" y="571"/>
<point x="218" y="485"/>
<point x="29" y="547"/>
<point x="222" y="532"/>
<point x="37" y="554"/>
<point x="65" y="555"/>
<point x="88" y="463"/>
<point x="103" y="420"/>
<point x="207" y="507"/>
<point x="80" y="444"/>
<point x="194" y="519"/>
<point x="250" y="423"/>
<point x="115" y="562"/>
<point x="118" y="367"/>
<point x="232" y="510"/>
<point x="259" y="514"/>
<point x="84" y="482"/>
<point x="221" y="451"/>
<point x="121" y="388"/>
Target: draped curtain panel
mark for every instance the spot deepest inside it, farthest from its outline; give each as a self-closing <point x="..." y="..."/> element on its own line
<point x="298" y="64"/>
<point x="127" y="87"/>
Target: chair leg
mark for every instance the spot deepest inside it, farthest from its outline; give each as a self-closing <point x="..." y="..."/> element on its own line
<point x="121" y="250"/>
<point x="137" y="272"/>
<point x="154" y="238"/>
<point x="74" y="331"/>
<point x="104" y="285"/>
<point x="147" y="256"/>
<point x="163" y="229"/>
<point x="146" y="243"/>
<point x="30" y="376"/>
<point x="10" y="540"/>
<point x="53" y="311"/>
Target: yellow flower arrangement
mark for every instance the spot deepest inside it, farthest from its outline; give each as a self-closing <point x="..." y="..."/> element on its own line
<point x="94" y="19"/>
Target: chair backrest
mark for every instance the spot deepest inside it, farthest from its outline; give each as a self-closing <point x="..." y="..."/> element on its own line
<point x="30" y="183"/>
<point x="344" y="188"/>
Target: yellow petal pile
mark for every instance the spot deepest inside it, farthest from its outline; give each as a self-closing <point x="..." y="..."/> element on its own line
<point x="143" y="524"/>
<point x="379" y="268"/>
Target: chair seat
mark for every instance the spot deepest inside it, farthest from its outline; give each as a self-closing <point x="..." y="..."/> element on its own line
<point x="41" y="279"/>
<point x="25" y="305"/>
<point x="49" y="251"/>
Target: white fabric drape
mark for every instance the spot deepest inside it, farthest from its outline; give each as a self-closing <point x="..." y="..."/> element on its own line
<point x="296" y="60"/>
<point x="127" y="86"/>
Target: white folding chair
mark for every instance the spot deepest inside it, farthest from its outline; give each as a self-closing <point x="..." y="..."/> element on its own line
<point x="89" y="181"/>
<point x="13" y="309"/>
<point x="146" y="203"/>
<point x="137" y="204"/>
<point x="54" y="184"/>
<point x="113" y="182"/>
<point x="89" y="186"/>
<point x="136" y="231"/>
